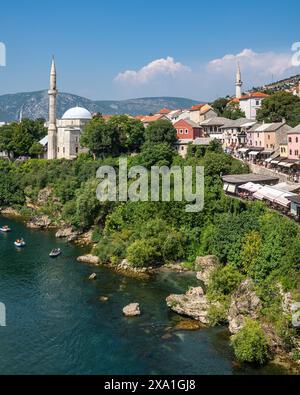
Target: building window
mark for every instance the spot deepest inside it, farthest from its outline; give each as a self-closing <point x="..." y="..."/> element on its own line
<point x="257" y="102"/>
<point x="64" y="150"/>
<point x="290" y="139"/>
<point x="76" y="150"/>
<point x="269" y="137"/>
<point x="260" y="143"/>
<point x="182" y="148"/>
<point x="297" y="139"/>
<point x="291" y="152"/>
<point x="57" y="149"/>
<point x="256" y="143"/>
<point x="181" y="131"/>
<point x="257" y="135"/>
<point x="296" y="153"/>
<point x="267" y="146"/>
<point x="186" y="131"/>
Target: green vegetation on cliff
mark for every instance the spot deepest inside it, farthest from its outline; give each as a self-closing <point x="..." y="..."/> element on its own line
<point x="250" y="240"/>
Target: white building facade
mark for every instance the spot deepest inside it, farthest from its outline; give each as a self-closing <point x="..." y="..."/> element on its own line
<point x="63" y="140"/>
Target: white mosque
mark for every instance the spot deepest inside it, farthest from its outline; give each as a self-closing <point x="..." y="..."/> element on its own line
<point x="64" y="134"/>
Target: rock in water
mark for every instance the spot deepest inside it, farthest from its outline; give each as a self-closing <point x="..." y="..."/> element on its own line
<point x="193" y="304"/>
<point x="67" y="233"/>
<point x="188" y="325"/>
<point x="93" y="276"/>
<point x="205" y="266"/>
<point x="39" y="222"/>
<point x="90" y="259"/>
<point x="103" y="299"/>
<point x="132" y="310"/>
<point x="244" y="303"/>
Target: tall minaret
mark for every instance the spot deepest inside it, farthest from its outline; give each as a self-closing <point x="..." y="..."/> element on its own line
<point x="238" y="83"/>
<point x="52" y="128"/>
<point x="21" y="114"/>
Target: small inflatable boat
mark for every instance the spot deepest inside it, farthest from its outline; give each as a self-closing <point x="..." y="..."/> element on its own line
<point x="20" y="243"/>
<point x="55" y="253"/>
<point x="5" y="229"/>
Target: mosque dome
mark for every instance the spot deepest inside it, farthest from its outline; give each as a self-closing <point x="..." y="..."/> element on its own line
<point x="77" y="113"/>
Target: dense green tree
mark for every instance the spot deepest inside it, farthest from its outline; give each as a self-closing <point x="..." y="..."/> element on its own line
<point x="156" y="155"/>
<point x="99" y="138"/>
<point x="36" y="149"/>
<point x="225" y="280"/>
<point x="233" y="111"/>
<point x="220" y="105"/>
<point x="131" y="132"/>
<point x="251" y="249"/>
<point x="160" y="132"/>
<point x="18" y="138"/>
<point x="142" y="253"/>
<point x="279" y="106"/>
<point x="250" y="344"/>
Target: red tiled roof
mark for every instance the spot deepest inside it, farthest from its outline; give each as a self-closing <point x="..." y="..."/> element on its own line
<point x="107" y="117"/>
<point x="254" y="95"/>
<point x="152" y="118"/>
<point x="197" y="107"/>
<point x="164" y="111"/>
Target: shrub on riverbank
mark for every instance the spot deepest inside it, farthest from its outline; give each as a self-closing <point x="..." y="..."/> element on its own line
<point x="250" y="344"/>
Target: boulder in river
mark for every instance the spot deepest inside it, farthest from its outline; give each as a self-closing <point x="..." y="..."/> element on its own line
<point x="89" y="259"/>
<point x="193" y="304"/>
<point x="103" y="299"/>
<point x="39" y="222"/>
<point x="206" y="265"/>
<point x="10" y="212"/>
<point x="132" y="310"/>
<point x="67" y="233"/>
<point x="244" y="304"/>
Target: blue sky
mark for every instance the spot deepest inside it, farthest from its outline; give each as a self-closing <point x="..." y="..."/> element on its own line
<point x="121" y="49"/>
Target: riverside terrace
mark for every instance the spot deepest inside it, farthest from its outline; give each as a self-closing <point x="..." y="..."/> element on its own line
<point x="283" y="197"/>
<point x="232" y="182"/>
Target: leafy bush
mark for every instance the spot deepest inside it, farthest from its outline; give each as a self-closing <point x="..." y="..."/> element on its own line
<point x="250" y="344"/>
<point x="172" y="248"/>
<point x="225" y="280"/>
<point x="218" y="313"/>
<point x="142" y="253"/>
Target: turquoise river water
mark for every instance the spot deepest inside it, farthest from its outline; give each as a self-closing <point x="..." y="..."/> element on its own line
<point x="55" y="323"/>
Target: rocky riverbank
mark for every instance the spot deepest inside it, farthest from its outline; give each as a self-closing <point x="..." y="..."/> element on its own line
<point x="244" y="304"/>
<point x="44" y="222"/>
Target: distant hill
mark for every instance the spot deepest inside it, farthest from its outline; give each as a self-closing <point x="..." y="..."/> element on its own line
<point x="282" y="85"/>
<point x="35" y="105"/>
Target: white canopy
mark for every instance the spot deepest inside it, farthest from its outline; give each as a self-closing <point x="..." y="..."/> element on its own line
<point x="287" y="164"/>
<point x="268" y="160"/>
<point x="250" y="187"/>
<point x="254" y="153"/>
<point x="274" y="195"/>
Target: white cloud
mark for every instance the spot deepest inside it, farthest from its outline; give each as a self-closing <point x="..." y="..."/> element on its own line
<point x="152" y="71"/>
<point x="265" y="63"/>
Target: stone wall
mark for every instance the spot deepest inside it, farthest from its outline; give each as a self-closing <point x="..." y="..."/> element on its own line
<point x="267" y="172"/>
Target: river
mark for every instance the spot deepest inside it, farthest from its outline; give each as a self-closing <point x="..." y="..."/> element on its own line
<point x="57" y="325"/>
